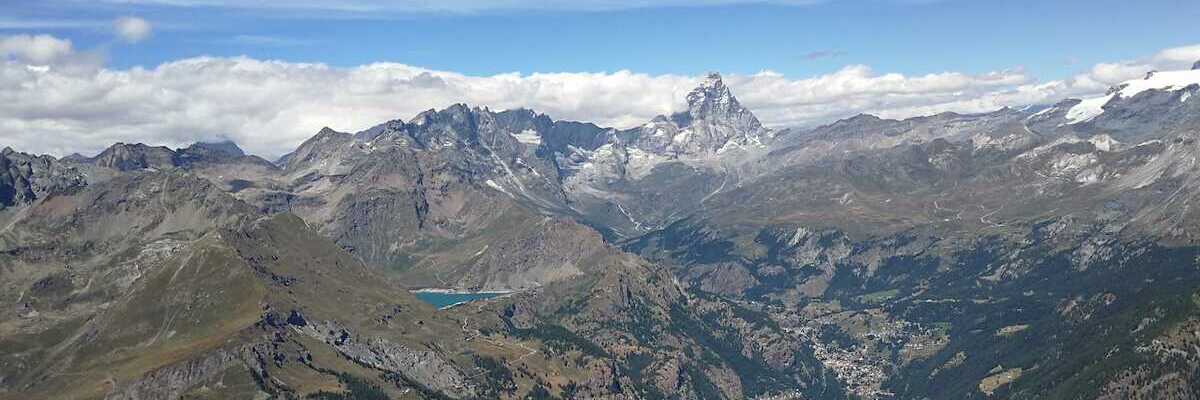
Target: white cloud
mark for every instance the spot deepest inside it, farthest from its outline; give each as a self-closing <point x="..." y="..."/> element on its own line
<point x="1109" y="74"/>
<point x="1178" y="57"/>
<point x="271" y="106"/>
<point x="40" y="49"/>
<point x="132" y="29"/>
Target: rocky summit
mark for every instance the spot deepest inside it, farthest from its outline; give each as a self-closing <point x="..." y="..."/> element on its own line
<point x="713" y="123"/>
<point x="1043" y="252"/>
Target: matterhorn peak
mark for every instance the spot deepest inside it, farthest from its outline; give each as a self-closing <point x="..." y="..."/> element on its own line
<point x="714" y="121"/>
<point x="712" y="98"/>
<point x="713" y="101"/>
<point x="712" y="79"/>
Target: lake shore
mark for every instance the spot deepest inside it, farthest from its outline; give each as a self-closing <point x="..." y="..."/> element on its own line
<point x="443" y="298"/>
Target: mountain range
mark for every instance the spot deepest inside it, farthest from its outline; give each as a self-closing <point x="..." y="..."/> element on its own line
<point x="1041" y="252"/>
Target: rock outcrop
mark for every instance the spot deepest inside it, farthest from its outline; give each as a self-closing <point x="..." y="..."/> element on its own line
<point x="129" y="157"/>
<point x="25" y="178"/>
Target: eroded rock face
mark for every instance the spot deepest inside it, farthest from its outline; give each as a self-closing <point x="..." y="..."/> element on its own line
<point x="25" y="178"/>
<point x="725" y="278"/>
<point x="222" y="149"/>
<point x="422" y="367"/>
<point x="174" y="381"/>
<point x="129" y="157"/>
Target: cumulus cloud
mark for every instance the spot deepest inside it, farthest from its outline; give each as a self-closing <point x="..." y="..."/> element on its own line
<point x="271" y="106"/>
<point x="131" y="29"/>
<point x="1109" y="74"/>
<point x="40" y="49"/>
<point x="1178" y="57"/>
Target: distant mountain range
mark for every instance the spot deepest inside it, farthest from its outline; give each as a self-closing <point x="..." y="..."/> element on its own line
<point x="1042" y="252"/>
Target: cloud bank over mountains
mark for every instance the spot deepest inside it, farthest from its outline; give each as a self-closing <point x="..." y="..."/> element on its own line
<point x="52" y="102"/>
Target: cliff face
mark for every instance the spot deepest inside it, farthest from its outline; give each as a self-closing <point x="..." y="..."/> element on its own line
<point x="25" y="178"/>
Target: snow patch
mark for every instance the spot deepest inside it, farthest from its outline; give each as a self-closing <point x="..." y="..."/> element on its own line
<point x="497" y="186"/>
<point x="1089" y="176"/>
<point x="1081" y="168"/>
<point x="1076" y="165"/>
<point x="985" y="140"/>
<point x="1040" y="150"/>
<point x="636" y="225"/>
<point x="639" y="163"/>
<point x="1104" y="142"/>
<point x="1045" y="111"/>
<point x="1088" y="109"/>
<point x="528" y="136"/>
<point x="682" y="136"/>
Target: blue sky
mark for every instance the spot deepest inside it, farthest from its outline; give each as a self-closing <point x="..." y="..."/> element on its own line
<point x="1050" y="39"/>
<point x="78" y="75"/>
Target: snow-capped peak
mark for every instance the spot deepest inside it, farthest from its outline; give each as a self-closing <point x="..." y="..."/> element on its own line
<point x="1163" y="80"/>
<point x="712" y="99"/>
<point x="714" y="120"/>
<point x="1090" y="108"/>
<point x="711" y="80"/>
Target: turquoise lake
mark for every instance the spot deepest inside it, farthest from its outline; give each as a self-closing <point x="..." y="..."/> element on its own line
<point x="443" y="300"/>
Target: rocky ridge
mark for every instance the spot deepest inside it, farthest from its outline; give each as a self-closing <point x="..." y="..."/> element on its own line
<point x="699" y="256"/>
<point x="26" y="178"/>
